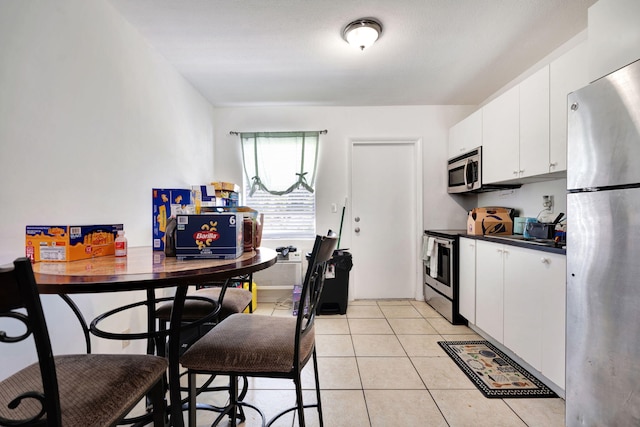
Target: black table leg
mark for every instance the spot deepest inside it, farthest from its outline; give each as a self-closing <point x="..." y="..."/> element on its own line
<point x="174" y="357"/>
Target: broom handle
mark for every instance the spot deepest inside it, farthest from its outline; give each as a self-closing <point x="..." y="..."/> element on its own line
<point x="340" y="233"/>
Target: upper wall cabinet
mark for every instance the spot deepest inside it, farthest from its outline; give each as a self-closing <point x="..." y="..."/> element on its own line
<point x="614" y="36"/>
<point x="534" y="124"/>
<point x="515" y="129"/>
<point x="567" y="74"/>
<point x="500" y="137"/>
<point x="465" y="135"/>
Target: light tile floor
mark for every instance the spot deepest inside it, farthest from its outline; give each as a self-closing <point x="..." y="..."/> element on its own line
<point x="380" y="366"/>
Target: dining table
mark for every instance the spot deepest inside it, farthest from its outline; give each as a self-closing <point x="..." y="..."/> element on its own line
<point x="148" y="270"/>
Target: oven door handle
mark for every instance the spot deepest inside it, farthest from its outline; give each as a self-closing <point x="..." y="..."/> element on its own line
<point x="446" y="243"/>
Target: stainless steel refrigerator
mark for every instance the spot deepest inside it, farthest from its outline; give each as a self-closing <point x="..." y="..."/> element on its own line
<point x="603" y="252"/>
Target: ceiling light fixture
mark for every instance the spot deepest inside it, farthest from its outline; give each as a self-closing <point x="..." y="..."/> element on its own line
<point x="362" y="33"/>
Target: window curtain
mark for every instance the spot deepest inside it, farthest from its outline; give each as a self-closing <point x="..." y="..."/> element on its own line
<point x="280" y="162"/>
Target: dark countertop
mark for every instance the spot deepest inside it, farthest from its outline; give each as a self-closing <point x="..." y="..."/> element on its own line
<point x="511" y="240"/>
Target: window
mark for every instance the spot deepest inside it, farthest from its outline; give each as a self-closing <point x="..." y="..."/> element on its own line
<point x="290" y="216"/>
<point x="279" y="178"/>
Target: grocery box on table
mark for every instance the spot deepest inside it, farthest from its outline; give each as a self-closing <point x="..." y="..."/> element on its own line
<point x="69" y="242"/>
<point x="168" y="202"/>
<point x="489" y="221"/>
<point x="211" y="235"/>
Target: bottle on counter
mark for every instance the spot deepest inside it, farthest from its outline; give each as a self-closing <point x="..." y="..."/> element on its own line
<point x="121" y="244"/>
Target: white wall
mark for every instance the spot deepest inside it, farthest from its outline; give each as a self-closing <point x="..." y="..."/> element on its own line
<point x="90" y="120"/>
<point x="528" y="199"/>
<point x="430" y="123"/>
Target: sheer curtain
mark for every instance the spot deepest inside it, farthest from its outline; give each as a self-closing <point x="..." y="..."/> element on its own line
<point x="280" y="162"/>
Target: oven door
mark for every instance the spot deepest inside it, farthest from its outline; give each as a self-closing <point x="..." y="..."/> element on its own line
<point x="442" y="279"/>
<point x="464" y="173"/>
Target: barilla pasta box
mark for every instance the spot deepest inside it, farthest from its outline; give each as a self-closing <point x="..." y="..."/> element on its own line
<point x="69" y="242"/>
<point x="211" y="235"/>
<point x="168" y="202"/>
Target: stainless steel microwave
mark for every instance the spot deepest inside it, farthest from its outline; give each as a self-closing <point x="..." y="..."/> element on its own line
<point x="465" y="174"/>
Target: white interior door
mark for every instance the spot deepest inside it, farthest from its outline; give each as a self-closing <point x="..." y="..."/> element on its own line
<point x="384" y="217"/>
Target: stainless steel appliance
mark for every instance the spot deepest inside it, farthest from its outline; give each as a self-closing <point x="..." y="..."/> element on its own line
<point x="603" y="245"/>
<point x="441" y="281"/>
<point x="465" y="174"/>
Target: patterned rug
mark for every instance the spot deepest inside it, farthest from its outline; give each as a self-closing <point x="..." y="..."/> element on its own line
<point x="493" y="372"/>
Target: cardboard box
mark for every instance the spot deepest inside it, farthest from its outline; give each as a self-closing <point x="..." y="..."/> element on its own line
<point x="226" y="186"/>
<point x="204" y="197"/>
<point x="212" y="235"/>
<point x="64" y="243"/>
<point x="489" y="221"/>
<point x="254" y="296"/>
<point x="168" y="202"/>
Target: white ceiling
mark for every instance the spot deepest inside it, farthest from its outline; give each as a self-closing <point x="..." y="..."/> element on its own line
<point x="291" y="52"/>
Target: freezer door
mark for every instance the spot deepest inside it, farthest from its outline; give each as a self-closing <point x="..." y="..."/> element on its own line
<point x="604" y="131"/>
<point x="603" y="309"/>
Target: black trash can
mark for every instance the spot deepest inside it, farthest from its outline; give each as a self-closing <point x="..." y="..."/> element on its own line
<point x="335" y="293"/>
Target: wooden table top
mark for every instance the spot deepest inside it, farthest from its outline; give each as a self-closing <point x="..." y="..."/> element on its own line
<point x="141" y="269"/>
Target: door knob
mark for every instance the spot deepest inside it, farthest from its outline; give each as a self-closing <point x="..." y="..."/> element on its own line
<point x="357" y="230"/>
<point x="357" y="219"/>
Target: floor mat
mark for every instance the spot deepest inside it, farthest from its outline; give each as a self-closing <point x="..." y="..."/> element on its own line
<point x="493" y="372"/>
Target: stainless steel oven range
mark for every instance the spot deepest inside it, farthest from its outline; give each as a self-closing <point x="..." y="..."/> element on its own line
<point x="440" y="274"/>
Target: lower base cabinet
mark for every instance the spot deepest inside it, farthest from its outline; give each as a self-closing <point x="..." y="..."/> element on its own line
<point x="520" y="302"/>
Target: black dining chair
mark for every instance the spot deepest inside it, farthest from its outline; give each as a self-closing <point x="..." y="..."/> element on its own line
<point x="68" y="390"/>
<point x="263" y="346"/>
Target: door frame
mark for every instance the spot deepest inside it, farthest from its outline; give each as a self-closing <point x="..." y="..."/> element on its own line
<point x="416" y="142"/>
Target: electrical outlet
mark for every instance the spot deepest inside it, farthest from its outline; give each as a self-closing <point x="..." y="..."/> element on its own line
<point x="125" y="343"/>
<point x="547" y="203"/>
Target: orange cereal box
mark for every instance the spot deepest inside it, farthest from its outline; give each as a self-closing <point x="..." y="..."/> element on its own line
<point x="69" y="242"/>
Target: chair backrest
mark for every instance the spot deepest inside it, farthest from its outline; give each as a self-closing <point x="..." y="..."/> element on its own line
<point x="18" y="290"/>
<point x="312" y="287"/>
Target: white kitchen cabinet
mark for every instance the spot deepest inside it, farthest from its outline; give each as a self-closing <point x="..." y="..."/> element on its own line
<point x="553" y="318"/>
<point x="534" y="124"/>
<point x="465" y="135"/>
<point x="500" y="137"/>
<point x="523" y="296"/>
<point x="467" y="279"/>
<point x="614" y="36"/>
<point x="520" y="302"/>
<point x="567" y="74"/>
<point x="489" y="288"/>
<point x="515" y="131"/>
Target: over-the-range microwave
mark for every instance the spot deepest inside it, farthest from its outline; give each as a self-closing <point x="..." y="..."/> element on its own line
<point x="465" y="174"/>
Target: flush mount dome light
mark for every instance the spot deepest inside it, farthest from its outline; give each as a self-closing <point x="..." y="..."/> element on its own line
<point x="362" y="33"/>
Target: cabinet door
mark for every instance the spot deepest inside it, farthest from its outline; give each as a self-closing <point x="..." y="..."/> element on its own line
<point x="567" y="74"/>
<point x="523" y="293"/>
<point x="466" y="135"/>
<point x="500" y="138"/>
<point x="554" y="285"/>
<point x="534" y="124"/>
<point x="489" y="288"/>
<point x="467" y="275"/>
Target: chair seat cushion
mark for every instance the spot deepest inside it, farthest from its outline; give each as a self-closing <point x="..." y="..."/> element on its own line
<point x="94" y="389"/>
<point x="249" y="344"/>
<point x="235" y="301"/>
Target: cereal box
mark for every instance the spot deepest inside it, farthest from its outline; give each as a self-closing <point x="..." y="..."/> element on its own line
<point x="167" y="203"/>
<point x="212" y="235"/>
<point x="69" y="242"/>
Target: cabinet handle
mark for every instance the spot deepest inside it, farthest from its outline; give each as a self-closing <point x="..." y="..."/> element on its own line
<point x="544" y="260"/>
<point x="515" y="172"/>
<point x="553" y="165"/>
<point x="521" y="171"/>
<point x="499" y="251"/>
